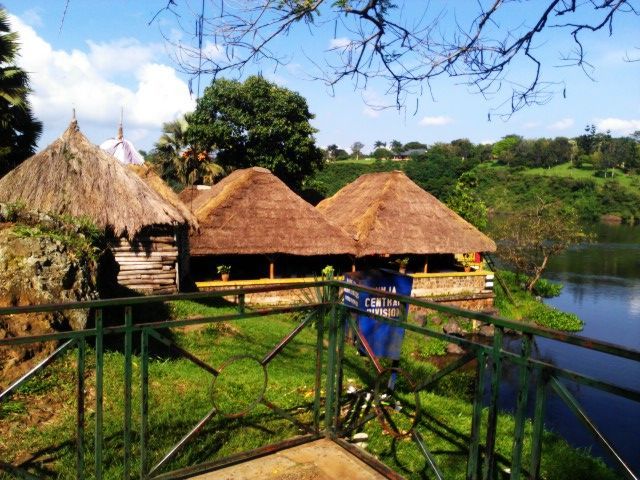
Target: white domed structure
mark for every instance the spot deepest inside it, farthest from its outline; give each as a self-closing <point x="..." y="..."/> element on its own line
<point x="122" y="149"/>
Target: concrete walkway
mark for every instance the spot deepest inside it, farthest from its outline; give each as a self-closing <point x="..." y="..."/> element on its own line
<point x="319" y="460"/>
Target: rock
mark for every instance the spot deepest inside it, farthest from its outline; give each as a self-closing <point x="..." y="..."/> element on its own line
<point x="452" y="328"/>
<point x="421" y="319"/>
<point x="486" y="330"/>
<point x="454" y="349"/>
<point x="37" y="269"/>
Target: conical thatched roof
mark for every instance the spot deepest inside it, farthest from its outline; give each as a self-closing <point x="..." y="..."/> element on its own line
<point x="152" y="179"/>
<point x="253" y="212"/>
<point x="389" y="214"/>
<point x="74" y="177"/>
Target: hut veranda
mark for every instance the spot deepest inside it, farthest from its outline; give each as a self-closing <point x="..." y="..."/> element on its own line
<point x="74" y="177"/>
<point x="253" y="223"/>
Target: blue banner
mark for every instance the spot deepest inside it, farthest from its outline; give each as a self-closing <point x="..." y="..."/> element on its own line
<point x="385" y="340"/>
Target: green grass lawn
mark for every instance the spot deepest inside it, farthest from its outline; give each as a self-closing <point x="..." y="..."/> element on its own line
<point x="37" y="425"/>
<point x="360" y="161"/>
<point x="567" y="170"/>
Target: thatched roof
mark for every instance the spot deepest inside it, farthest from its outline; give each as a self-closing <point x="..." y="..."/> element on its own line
<point x="74" y="177"/>
<point x="189" y="194"/>
<point x="151" y="178"/>
<point x="253" y="212"/>
<point x="389" y="214"/>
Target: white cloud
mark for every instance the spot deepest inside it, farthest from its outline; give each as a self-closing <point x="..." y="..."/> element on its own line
<point x="531" y="125"/>
<point x="33" y="17"/>
<point x="562" y="124"/>
<point x="121" y="55"/>
<point x="212" y="51"/>
<point x="435" y="121"/>
<point x="371" y="112"/>
<point x="618" y="125"/>
<point x="149" y="92"/>
<point x="340" y="42"/>
<point x="487" y="142"/>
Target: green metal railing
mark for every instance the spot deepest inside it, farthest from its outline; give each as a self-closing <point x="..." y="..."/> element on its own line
<point x="331" y="319"/>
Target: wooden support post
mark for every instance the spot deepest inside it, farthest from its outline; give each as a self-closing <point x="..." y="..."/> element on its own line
<point x="272" y="269"/>
<point x="426" y="265"/>
<point x="353" y="266"/>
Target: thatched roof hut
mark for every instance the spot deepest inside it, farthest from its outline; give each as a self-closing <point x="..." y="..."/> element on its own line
<point x="72" y="176"/>
<point x="389" y="214"/>
<point x="153" y="180"/>
<point x="189" y="194"/>
<point x="253" y="212"/>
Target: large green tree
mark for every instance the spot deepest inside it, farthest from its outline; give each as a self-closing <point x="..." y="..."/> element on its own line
<point x="19" y="130"/>
<point x="257" y="123"/>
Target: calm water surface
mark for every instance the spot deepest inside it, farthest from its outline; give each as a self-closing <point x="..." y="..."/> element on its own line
<point x="601" y="285"/>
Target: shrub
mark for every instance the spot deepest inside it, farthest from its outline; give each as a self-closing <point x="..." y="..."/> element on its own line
<point x="550" y="317"/>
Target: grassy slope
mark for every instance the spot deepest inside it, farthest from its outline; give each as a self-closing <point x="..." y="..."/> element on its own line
<point x="180" y="396"/>
<point x="567" y="170"/>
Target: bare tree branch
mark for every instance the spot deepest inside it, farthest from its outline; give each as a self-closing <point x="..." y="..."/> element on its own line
<point x="386" y="41"/>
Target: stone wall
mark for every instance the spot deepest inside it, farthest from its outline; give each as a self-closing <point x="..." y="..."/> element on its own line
<point x="471" y="291"/>
<point x="38" y="269"/>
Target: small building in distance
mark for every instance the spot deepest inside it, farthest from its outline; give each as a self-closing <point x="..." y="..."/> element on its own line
<point x="74" y="177"/>
<point x="394" y="222"/>
<point x="252" y="222"/>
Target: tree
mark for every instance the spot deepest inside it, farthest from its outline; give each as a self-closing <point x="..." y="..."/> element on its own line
<point x="379" y="144"/>
<point x="19" y="130"/>
<point x="396" y="146"/>
<point x="179" y="163"/>
<point x="356" y="149"/>
<point x="332" y="151"/>
<point x="528" y="238"/>
<point x="465" y="202"/>
<point x="415" y="146"/>
<point x="256" y="123"/>
<point x="407" y="44"/>
<point x="382" y="153"/>
<point x="505" y="150"/>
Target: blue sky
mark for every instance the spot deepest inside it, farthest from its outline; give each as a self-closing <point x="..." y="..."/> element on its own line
<point x="107" y="57"/>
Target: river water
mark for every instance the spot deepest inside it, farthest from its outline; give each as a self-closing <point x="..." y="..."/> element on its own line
<point x="602" y="285"/>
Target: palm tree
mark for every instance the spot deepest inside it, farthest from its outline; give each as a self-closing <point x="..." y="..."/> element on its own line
<point x="178" y="162"/>
<point x="19" y="130"/>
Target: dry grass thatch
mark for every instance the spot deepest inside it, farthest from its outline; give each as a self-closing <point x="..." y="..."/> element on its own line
<point x="253" y="212"/>
<point x="189" y="194"/>
<point x="74" y="177"/>
<point x="389" y="214"/>
<point x="151" y="178"/>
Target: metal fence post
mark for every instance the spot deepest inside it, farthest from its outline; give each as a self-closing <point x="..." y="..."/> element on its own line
<point x="331" y="363"/>
<point x="99" y="393"/>
<point x="144" y="401"/>
<point x="492" y="418"/>
<point x="476" y="419"/>
<point x="538" y="424"/>
<point x="128" y="323"/>
<point x="320" y="312"/>
<point x="80" y="409"/>
<point x="521" y="407"/>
